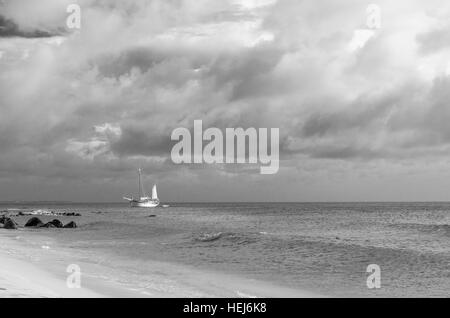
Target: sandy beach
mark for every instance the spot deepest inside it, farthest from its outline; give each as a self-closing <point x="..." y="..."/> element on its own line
<point x="33" y="277"/>
<point x="21" y="279"/>
<point x="30" y="272"/>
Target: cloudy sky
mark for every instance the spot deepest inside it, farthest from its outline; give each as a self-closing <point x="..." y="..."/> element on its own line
<point x="364" y="113"/>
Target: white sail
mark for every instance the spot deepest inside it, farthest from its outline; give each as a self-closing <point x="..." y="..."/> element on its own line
<point x="154" y="193"/>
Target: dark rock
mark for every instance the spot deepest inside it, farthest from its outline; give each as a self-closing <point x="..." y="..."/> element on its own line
<point x="34" y="221"/>
<point x="57" y="223"/>
<point x="69" y="214"/>
<point x="70" y="225"/>
<point x="48" y="225"/>
<point x="152" y="216"/>
<point x="10" y="224"/>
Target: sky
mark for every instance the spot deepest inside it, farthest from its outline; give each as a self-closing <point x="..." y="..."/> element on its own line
<point x="363" y="108"/>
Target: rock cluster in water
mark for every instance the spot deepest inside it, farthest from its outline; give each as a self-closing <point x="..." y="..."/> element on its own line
<point x="70" y="225"/>
<point x="8" y="223"/>
<point x="35" y="222"/>
<point x="42" y="212"/>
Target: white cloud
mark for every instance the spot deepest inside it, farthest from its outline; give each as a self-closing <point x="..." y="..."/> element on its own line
<point x="253" y="4"/>
<point x="87" y="150"/>
<point x="360" y="39"/>
<point x="108" y="129"/>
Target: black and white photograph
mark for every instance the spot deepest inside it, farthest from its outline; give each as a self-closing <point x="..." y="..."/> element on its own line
<point x="224" y="149"/>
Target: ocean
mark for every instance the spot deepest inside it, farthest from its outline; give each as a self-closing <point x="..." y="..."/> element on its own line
<point x="324" y="248"/>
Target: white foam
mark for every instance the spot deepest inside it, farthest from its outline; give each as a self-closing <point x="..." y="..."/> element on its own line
<point x="243" y="295"/>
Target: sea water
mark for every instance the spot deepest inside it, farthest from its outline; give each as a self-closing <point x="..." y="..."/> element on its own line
<point x="325" y="248"/>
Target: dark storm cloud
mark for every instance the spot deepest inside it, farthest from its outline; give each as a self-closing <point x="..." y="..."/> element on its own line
<point x="345" y="152"/>
<point x="10" y="29"/>
<point x="141" y="58"/>
<point x="249" y="73"/>
<point x="360" y="114"/>
<point x="143" y="141"/>
<point x="433" y="123"/>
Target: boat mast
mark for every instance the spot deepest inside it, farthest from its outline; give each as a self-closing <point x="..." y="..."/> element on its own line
<point x="140" y="187"/>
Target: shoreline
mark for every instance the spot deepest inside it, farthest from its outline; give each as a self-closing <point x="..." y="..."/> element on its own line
<point x="19" y="279"/>
<point x="35" y="277"/>
<point x="24" y="277"/>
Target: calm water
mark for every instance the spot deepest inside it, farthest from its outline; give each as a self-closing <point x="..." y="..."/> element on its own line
<point x="324" y="248"/>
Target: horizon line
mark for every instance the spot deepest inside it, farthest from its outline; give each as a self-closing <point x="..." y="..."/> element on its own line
<point x="212" y="202"/>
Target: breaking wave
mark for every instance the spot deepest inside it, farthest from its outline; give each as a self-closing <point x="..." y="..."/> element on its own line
<point x="228" y="238"/>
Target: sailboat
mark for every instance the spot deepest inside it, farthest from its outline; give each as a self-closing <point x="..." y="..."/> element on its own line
<point x="144" y="201"/>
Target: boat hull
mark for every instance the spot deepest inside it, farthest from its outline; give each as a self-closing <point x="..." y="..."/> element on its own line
<point x="144" y="204"/>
